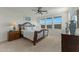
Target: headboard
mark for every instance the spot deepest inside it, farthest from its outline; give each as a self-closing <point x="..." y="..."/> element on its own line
<point x="26" y="24"/>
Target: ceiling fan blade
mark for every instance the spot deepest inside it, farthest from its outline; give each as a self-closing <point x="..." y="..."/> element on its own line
<point x="41" y="13"/>
<point x="33" y="10"/>
<point x="36" y="13"/>
<point x="43" y="10"/>
<point x="39" y="8"/>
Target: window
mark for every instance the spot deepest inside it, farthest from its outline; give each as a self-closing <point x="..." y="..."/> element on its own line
<point x="57" y="26"/>
<point x="49" y="26"/>
<point x="57" y="20"/>
<point x="42" y="21"/>
<point x="42" y="26"/>
<point x="49" y="21"/>
<point x="46" y="21"/>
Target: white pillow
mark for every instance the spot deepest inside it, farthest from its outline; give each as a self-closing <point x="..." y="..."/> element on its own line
<point x="28" y="28"/>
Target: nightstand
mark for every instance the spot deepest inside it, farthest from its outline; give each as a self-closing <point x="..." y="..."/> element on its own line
<point x="13" y="35"/>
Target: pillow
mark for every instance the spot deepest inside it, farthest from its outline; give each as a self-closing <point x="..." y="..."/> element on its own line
<point x="28" y="28"/>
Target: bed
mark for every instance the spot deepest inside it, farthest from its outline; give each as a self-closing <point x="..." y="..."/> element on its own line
<point x="30" y="32"/>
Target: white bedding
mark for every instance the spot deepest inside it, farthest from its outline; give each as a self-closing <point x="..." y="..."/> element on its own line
<point x="30" y="34"/>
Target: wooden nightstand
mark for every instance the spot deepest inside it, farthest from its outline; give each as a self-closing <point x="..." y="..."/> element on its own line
<point x="13" y="35"/>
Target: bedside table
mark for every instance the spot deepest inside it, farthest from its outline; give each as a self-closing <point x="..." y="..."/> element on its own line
<point x="13" y="35"/>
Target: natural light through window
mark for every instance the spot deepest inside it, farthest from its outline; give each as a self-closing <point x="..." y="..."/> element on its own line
<point x="48" y="21"/>
<point x="57" y="20"/>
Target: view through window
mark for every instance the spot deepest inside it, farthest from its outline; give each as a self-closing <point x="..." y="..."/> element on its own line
<point x="51" y="22"/>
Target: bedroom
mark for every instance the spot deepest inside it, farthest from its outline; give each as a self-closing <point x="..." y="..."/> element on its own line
<point x="11" y="17"/>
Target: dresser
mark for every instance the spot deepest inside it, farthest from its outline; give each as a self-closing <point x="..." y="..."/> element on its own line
<point x="70" y="43"/>
<point x="13" y="35"/>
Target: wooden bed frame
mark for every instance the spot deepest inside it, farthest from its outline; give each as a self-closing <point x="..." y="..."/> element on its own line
<point x="35" y="39"/>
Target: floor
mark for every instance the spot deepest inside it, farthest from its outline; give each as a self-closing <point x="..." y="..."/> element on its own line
<point x="52" y="43"/>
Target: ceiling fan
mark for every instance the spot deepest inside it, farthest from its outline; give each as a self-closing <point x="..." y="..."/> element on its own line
<point x="40" y="10"/>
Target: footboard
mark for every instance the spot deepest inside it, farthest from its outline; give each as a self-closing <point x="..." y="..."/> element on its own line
<point x="39" y="35"/>
<point x="45" y="32"/>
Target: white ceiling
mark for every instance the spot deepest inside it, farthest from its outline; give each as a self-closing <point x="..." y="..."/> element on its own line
<point x="28" y="10"/>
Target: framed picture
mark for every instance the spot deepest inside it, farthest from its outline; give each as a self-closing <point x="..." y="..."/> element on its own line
<point x="27" y="18"/>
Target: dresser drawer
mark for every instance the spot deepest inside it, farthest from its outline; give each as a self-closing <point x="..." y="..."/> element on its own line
<point x="13" y="35"/>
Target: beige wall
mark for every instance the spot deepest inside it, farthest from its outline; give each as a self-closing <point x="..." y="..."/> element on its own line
<point x="8" y="17"/>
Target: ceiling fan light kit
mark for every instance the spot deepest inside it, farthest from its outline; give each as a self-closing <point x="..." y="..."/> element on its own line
<point x="40" y="11"/>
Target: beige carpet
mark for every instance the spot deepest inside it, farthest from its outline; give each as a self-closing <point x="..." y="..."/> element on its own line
<point x="52" y="43"/>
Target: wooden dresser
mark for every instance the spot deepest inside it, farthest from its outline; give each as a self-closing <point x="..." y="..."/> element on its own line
<point x="70" y="43"/>
<point x="13" y="35"/>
